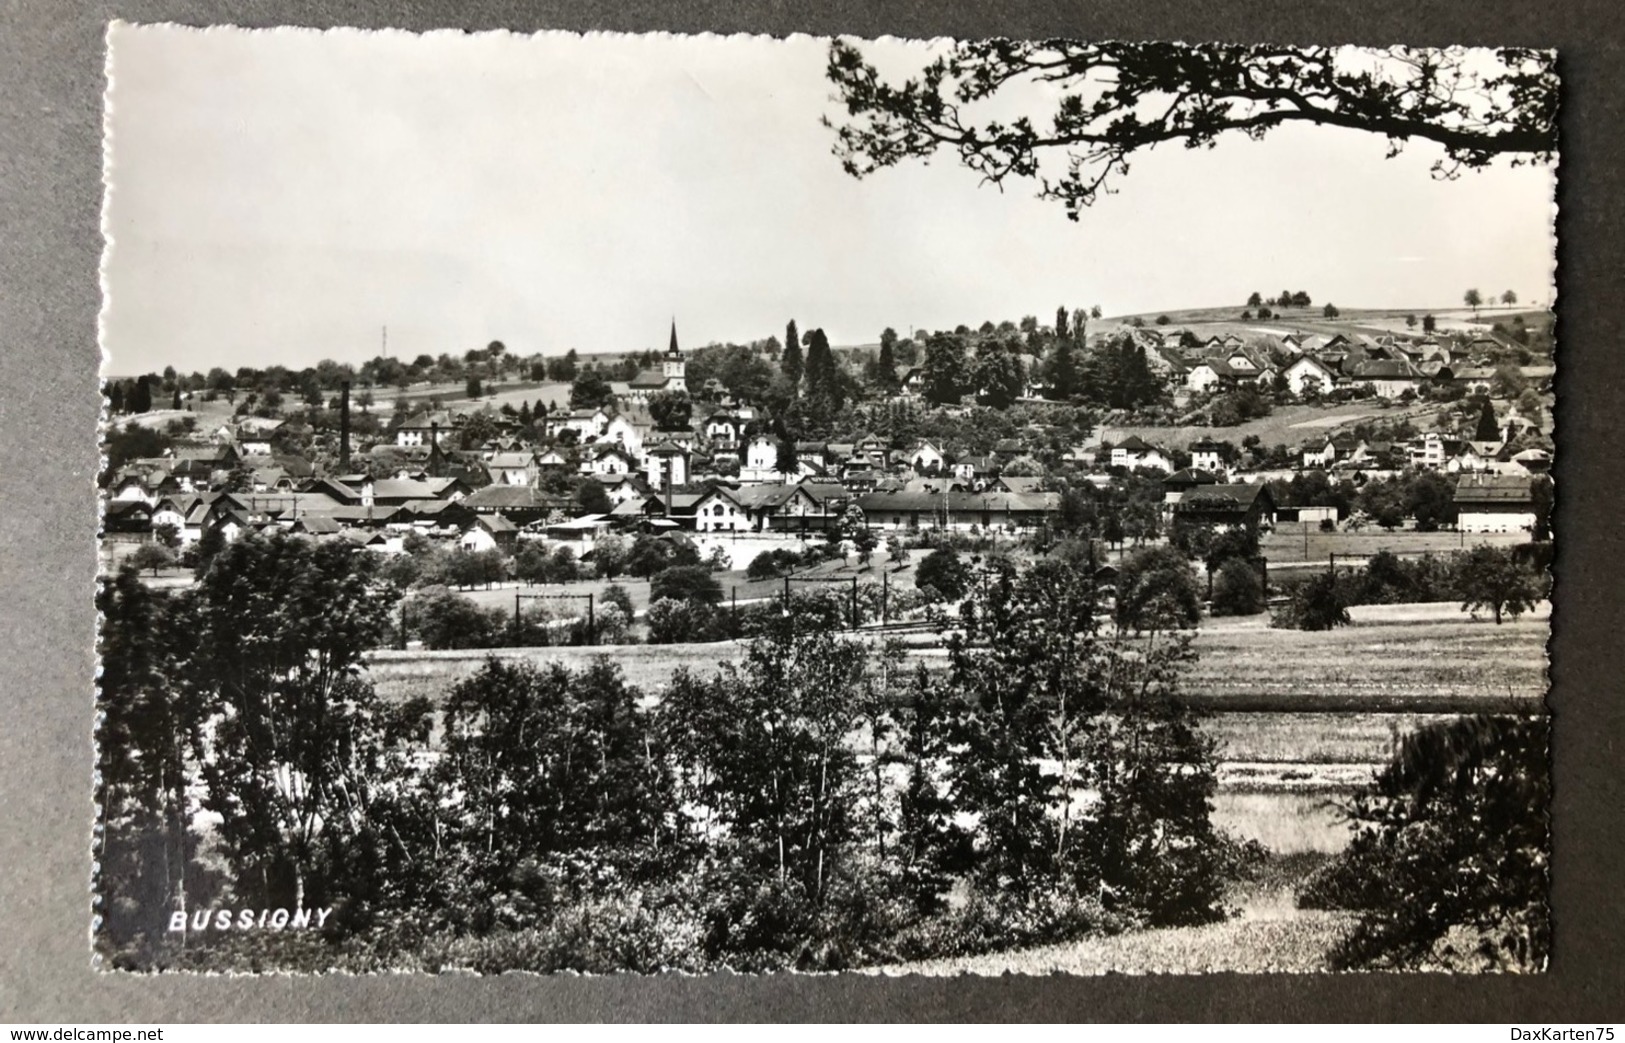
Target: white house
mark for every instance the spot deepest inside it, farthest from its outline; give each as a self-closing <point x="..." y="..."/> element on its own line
<point x="1307" y="372"/>
<point x="1134" y="451"/>
<point x="609" y="459"/>
<point x="1207" y="455"/>
<point x="664" y="461"/>
<point x="761" y="462"/>
<point x="1495" y="503"/>
<point x="927" y="457"/>
<point x="512" y="468"/>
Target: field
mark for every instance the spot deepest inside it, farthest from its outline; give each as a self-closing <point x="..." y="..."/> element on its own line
<point x="510" y="393"/>
<point x="1290" y="542"/>
<point x="1287" y="425"/>
<point x="1395" y="659"/>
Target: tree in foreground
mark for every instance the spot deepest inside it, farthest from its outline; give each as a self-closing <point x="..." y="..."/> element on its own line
<point x="1054" y="707"/>
<point x="1154" y="586"/>
<point x="1490" y="577"/>
<point x="279" y="625"/>
<point x="1449" y="864"/>
<point x="1120" y="97"/>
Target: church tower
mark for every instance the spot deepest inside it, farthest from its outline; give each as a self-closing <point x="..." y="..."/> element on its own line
<point x="673" y="365"/>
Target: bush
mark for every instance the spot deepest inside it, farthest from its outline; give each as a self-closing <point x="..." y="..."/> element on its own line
<point x="691" y="583"/>
<point x="772" y="564"/>
<point x="1157" y="587"/>
<point x="616" y="595"/>
<point x="945" y="573"/>
<point x="447" y="620"/>
<point x="1319" y="604"/>
<point x="677" y="622"/>
<point x="1237" y="590"/>
<point x="1448" y="867"/>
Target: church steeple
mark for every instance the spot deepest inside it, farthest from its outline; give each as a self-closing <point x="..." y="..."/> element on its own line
<point x="673" y="365"/>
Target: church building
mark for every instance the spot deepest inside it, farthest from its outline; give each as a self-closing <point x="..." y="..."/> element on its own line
<point x="668" y="378"/>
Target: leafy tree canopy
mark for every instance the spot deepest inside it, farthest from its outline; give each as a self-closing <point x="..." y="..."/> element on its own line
<point x="1118" y="97"/>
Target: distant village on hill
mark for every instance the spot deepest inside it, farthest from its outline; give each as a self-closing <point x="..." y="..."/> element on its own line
<point x="1019" y="427"/>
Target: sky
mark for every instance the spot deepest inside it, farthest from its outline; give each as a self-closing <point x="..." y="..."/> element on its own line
<point x="280" y="197"/>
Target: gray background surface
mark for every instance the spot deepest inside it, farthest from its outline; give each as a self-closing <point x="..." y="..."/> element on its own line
<point x="51" y="79"/>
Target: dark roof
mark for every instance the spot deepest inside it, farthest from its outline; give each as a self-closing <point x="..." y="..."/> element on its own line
<point x="1380" y="369"/>
<point x="508" y="497"/>
<point x="1190" y="476"/>
<point x="1493" y="489"/>
<point x="1225" y="497"/>
<point x="956" y="501"/>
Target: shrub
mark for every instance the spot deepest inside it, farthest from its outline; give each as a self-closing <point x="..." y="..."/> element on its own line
<point x="771" y="564"/>
<point x="616" y="595"/>
<point x="1157" y="586"/>
<point x="1448" y="867"/>
<point x="675" y="622"/>
<point x="1319" y="604"/>
<point x="945" y="573"/>
<point x="1237" y="590"/>
<point x="692" y="583"/>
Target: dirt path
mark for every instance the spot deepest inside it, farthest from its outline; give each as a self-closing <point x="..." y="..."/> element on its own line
<point x="1270" y="934"/>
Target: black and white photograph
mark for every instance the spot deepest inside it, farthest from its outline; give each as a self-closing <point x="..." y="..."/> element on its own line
<point x="691" y="504"/>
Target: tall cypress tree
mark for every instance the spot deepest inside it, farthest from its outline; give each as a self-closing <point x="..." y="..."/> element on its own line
<point x="791" y="362"/>
<point x="1487" y="430"/>
<point x="1060" y="323"/>
<point x="1063" y="369"/>
<point x="886" y="364"/>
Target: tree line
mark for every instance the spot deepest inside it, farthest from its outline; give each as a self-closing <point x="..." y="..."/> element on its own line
<point x="813" y="805"/>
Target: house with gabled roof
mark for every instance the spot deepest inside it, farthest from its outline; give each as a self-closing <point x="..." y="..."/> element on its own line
<point x="1307" y="372"/>
<point x="608" y="458"/>
<point x="512" y="468"/>
<point x="926" y="457"/>
<point x="1135" y="451"/>
<point x="1227" y="506"/>
<point x="489" y="532"/>
<point x="760" y="462"/>
<point x="1181" y="483"/>
<point x="1495" y="503"/>
<point x="1389" y="378"/>
<point x="1207" y="455"/>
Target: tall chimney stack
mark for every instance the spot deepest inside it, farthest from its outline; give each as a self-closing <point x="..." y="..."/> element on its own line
<point x="344" y="427"/>
<point x="667" y="482"/>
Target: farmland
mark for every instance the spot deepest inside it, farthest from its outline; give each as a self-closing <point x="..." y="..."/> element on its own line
<point x="1294" y="542"/>
<point x="1430" y="658"/>
<point x="1287" y="425"/>
<point x="508" y="393"/>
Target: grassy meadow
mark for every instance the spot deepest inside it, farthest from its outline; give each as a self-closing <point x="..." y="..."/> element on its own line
<point x="1289" y="543"/>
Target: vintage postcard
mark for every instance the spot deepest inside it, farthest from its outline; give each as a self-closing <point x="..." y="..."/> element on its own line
<point x="653" y="504"/>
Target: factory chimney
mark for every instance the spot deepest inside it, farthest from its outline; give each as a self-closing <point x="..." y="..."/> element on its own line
<point x="344" y="427"/>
